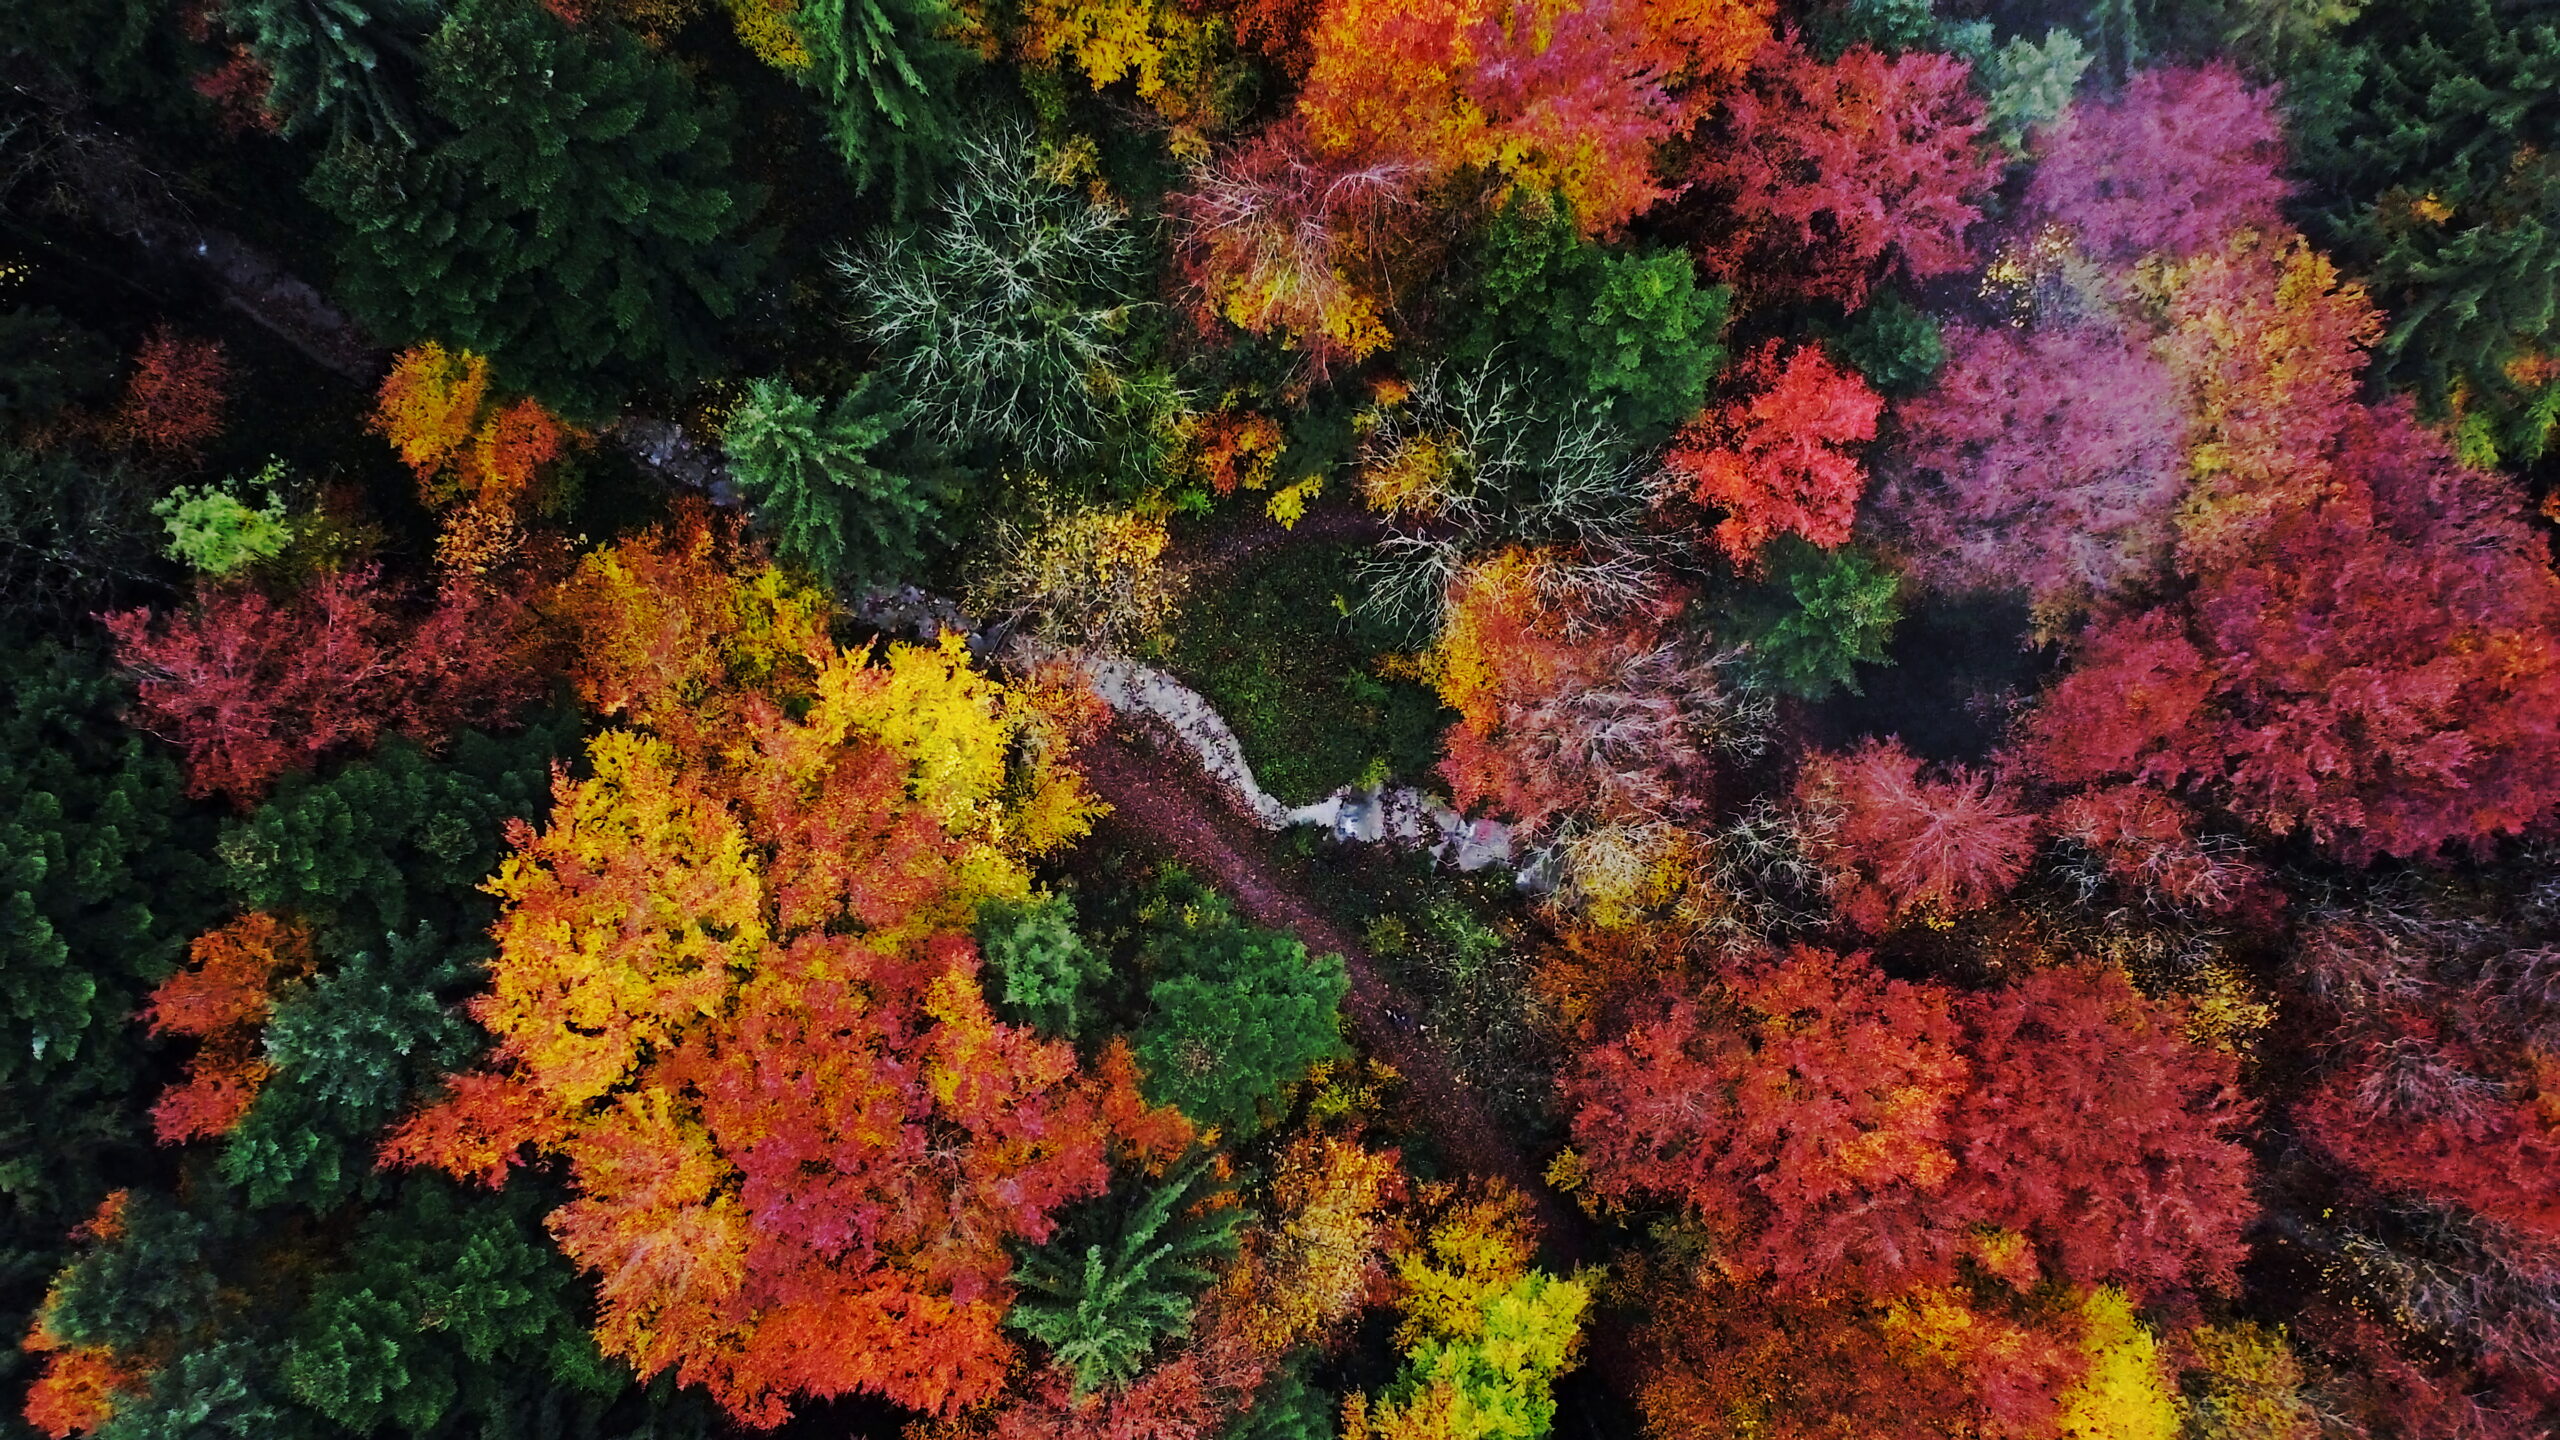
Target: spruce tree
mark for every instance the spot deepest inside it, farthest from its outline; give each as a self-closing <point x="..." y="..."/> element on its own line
<point x="1124" y="1273"/>
<point x="352" y="63"/>
<point x="810" y="481"/>
<point x="1040" y="972"/>
<point x="887" y="75"/>
<point x="1235" y="1014"/>
<point x="2431" y="137"/>
<point x="578" y="221"/>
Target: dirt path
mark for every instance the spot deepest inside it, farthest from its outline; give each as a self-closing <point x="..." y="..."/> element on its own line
<point x="1158" y="797"/>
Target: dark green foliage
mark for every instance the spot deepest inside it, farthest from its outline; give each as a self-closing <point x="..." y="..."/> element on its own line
<point x="109" y="46"/>
<point x="101" y="882"/>
<point x="888" y="77"/>
<point x="1892" y="26"/>
<point x="2430" y="132"/>
<point x="1631" y="328"/>
<point x="350" y="62"/>
<point x="1006" y="318"/>
<point x="47" y="362"/>
<point x="1124" y="1273"/>
<point x="156" y="1275"/>
<point x="1289" y="1406"/>
<point x="812" y="485"/>
<point x="1894" y="344"/>
<point x="446" y="1299"/>
<point x="350" y="1051"/>
<point x="579" y="223"/>
<point x="1820" y="615"/>
<point x="76" y="536"/>
<point x="1039" y="971"/>
<point x="1281" y="646"/>
<point x="397" y="840"/>
<point x="1235" y="1014"/>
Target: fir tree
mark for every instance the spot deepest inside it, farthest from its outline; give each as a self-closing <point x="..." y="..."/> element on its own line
<point x="888" y="74"/>
<point x="1821" y="614"/>
<point x="1631" y="328"/>
<point x="1236" y="1013"/>
<point x="811" y="483"/>
<point x="352" y="63"/>
<point x="1041" y="973"/>
<point x="2431" y="131"/>
<point x="1125" y="1273"/>
<point x="580" y="216"/>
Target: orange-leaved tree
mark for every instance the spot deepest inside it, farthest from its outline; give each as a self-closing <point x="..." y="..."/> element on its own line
<point x="1569" y="97"/>
<point x="734" y="990"/>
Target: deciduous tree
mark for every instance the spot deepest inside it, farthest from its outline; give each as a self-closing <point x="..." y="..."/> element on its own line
<point x="1779" y="460"/>
<point x="2172" y="164"/>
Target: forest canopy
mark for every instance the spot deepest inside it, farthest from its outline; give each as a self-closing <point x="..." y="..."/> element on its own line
<point x="1279" y="719"/>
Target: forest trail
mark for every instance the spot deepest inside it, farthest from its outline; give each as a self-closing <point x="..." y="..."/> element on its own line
<point x="1158" y="797"/>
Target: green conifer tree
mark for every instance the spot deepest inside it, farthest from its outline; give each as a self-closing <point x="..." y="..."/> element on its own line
<point x="1235" y="1014"/>
<point x="1041" y="973"/>
<point x="888" y="74"/>
<point x="1124" y="1273"/>
<point x="811" y="484"/>
<point x="352" y="63"/>
<point x="579" y="221"/>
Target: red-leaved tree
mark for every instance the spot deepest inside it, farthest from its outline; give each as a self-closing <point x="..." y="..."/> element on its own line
<point x="2046" y="460"/>
<point x="174" y="399"/>
<point x="1279" y="237"/>
<point x="1891" y="843"/>
<point x="1839" y="175"/>
<point x="1839" y="1131"/>
<point x="2174" y="163"/>
<point x="1780" y="459"/>
<point x="1801" y="1114"/>
<point x="249" y="686"/>
<point x="222" y="998"/>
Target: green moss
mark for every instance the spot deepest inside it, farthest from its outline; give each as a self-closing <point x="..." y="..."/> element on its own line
<point x="1270" y="642"/>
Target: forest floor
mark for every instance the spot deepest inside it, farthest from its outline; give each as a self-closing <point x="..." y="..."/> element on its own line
<point x="1159" y="799"/>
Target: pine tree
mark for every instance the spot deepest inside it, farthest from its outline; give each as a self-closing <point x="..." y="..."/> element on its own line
<point x="811" y="483"/>
<point x="1124" y="1274"/>
<point x="579" y="223"/>
<point x="1822" y="614"/>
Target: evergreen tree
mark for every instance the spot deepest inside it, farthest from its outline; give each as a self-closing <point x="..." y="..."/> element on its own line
<point x="579" y="223"/>
<point x="1041" y="973"/>
<point x="1235" y="1014"/>
<point x="2430" y="131"/>
<point x="1631" y="328"/>
<point x="1894" y="344"/>
<point x="395" y="841"/>
<point x="352" y="63"/>
<point x="1820" y="615"/>
<point x="888" y="74"/>
<point x="811" y="483"/>
<point x="1124" y="1273"/>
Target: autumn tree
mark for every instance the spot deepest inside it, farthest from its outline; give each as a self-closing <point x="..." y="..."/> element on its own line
<point x="249" y="687"/>
<point x="577" y="221"/>
<point x="1892" y="844"/>
<point x="1864" y="1133"/>
<point x="1562" y="722"/>
<point x="174" y="399"/>
<point x="1575" y="100"/>
<point x="222" y="999"/>
<point x="1839" y="175"/>
<point x="2171" y="164"/>
<point x="743" y="1087"/>
<point x="2047" y="460"/>
<point x="1278" y="238"/>
<point x="1779" y="459"/>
